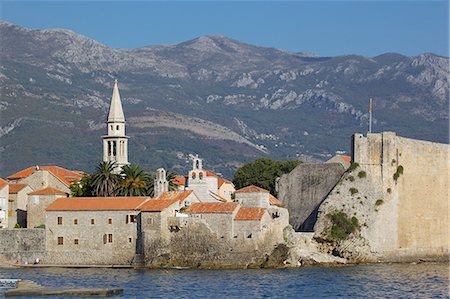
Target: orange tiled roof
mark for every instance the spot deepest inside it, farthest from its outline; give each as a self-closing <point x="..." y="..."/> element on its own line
<point x="275" y="201"/>
<point x="345" y="158"/>
<point x="3" y="183"/>
<point x="64" y="175"/>
<point x="178" y="195"/>
<point x="97" y="203"/>
<point x="48" y="191"/>
<point x="209" y="173"/>
<point x="15" y="188"/>
<point x="251" y="188"/>
<point x="250" y="214"/>
<point x="179" y="180"/>
<point x="212" y="207"/>
<point x="157" y="205"/>
<point x="222" y="181"/>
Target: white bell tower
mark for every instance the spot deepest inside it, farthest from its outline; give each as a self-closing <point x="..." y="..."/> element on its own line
<point x="115" y="143"/>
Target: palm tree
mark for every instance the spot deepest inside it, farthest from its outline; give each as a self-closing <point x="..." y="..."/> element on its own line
<point x="104" y="181"/>
<point x="135" y="181"/>
<point x="170" y="176"/>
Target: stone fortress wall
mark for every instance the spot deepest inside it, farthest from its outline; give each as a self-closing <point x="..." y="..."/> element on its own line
<point x="414" y="220"/>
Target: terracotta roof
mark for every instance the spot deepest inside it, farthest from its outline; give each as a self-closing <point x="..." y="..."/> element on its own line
<point x="212" y="207"/>
<point x="179" y="180"/>
<point x="251" y="188"/>
<point x="15" y="188"/>
<point x="157" y="205"/>
<point x="97" y="203"/>
<point x="250" y="214"/>
<point x="3" y="183"/>
<point x="345" y="158"/>
<point x="64" y="175"/>
<point x="48" y="191"/>
<point x="178" y="195"/>
<point x="209" y="173"/>
<point x="221" y="181"/>
<point x="275" y="201"/>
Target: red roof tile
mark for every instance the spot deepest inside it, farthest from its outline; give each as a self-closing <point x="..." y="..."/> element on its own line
<point x="179" y="180"/>
<point x="212" y="207"/>
<point x="64" y="175"/>
<point x="345" y="158"/>
<point x="250" y="214"/>
<point x="97" y="203"/>
<point x="15" y="188"/>
<point x="48" y="191"/>
<point x="3" y="183"/>
<point x="275" y="201"/>
<point x="222" y="181"/>
<point x="251" y="188"/>
<point x="157" y="205"/>
<point x="178" y="195"/>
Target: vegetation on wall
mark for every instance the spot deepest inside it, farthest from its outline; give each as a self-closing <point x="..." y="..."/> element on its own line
<point x="379" y="202"/>
<point x="342" y="226"/>
<point x="262" y="173"/>
<point x="398" y="173"/>
<point x="353" y="166"/>
<point x="362" y="174"/>
<point x="353" y="190"/>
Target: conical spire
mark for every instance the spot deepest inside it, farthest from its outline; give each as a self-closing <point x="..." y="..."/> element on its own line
<point x="115" y="109"/>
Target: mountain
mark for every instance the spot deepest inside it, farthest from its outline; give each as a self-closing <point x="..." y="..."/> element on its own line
<point x="223" y="99"/>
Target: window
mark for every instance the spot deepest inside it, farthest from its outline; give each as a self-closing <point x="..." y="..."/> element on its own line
<point x="105" y="238"/>
<point x="117" y="128"/>
<point x="130" y="219"/>
<point x="60" y="240"/>
<point x="109" y="221"/>
<point x="75" y="241"/>
<point x="59" y="220"/>
<point x="75" y="221"/>
<point x="112" y="128"/>
<point x="109" y="238"/>
<point x="92" y="221"/>
<point x="193" y="175"/>
<point x="130" y="240"/>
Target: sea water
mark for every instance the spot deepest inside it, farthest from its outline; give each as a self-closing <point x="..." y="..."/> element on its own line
<point x="426" y="280"/>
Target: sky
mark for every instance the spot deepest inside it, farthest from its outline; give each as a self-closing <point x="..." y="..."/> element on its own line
<point x="325" y="28"/>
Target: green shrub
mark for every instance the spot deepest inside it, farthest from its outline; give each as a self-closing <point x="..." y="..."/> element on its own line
<point x="40" y="226"/>
<point x="389" y="190"/>
<point x="379" y="202"/>
<point x="398" y="173"/>
<point x="353" y="166"/>
<point x="361" y="174"/>
<point x="351" y="178"/>
<point x="342" y="226"/>
<point x="17" y="225"/>
<point x="353" y="191"/>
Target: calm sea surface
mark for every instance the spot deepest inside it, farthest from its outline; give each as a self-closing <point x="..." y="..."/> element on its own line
<point x="386" y="280"/>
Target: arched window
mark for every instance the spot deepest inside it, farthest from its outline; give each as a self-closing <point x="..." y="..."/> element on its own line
<point x="200" y="175"/>
<point x="117" y="127"/>
<point x="193" y="175"/>
<point x="197" y="164"/>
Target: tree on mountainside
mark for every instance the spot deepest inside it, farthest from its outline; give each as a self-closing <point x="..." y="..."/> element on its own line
<point x="262" y="173"/>
<point x="104" y="181"/>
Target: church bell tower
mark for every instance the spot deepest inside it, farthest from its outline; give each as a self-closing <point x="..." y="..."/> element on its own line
<point x="115" y="143"/>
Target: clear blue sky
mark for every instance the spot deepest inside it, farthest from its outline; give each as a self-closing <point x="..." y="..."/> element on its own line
<point x="327" y="28"/>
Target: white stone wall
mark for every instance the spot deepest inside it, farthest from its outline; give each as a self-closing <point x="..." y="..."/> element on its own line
<point x="253" y="199"/>
<point x="4" y="195"/>
<point x="36" y="208"/>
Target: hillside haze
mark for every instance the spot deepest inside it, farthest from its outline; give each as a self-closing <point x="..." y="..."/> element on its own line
<point x="223" y="99"/>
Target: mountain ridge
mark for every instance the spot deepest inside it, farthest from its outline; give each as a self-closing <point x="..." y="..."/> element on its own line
<point x="286" y="106"/>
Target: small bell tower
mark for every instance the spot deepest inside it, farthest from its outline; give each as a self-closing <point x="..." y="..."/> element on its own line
<point x="115" y="143"/>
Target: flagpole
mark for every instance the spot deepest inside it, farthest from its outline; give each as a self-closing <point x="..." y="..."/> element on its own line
<point x="370" y="115"/>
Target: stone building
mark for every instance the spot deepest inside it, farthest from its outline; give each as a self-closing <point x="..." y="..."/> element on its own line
<point x="17" y="204"/>
<point x="115" y="142"/>
<point x="4" y="195"/>
<point x="249" y="222"/>
<point x="38" y="201"/>
<point x="96" y="230"/>
<point x="41" y="177"/>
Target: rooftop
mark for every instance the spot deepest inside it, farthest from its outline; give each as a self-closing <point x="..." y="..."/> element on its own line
<point x="250" y="214"/>
<point x="157" y="205"/>
<point x="177" y="195"/>
<point x="48" y="191"/>
<point x="212" y="207"/>
<point x="64" y="175"/>
<point x="3" y="183"/>
<point x="97" y="203"/>
<point x="15" y="188"/>
<point x="252" y="188"/>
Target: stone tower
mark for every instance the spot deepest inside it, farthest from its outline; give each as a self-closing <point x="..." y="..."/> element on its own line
<point x="197" y="180"/>
<point x="115" y="143"/>
<point x="161" y="184"/>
